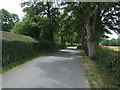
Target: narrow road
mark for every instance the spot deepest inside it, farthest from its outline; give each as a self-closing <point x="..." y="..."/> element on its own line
<point x="62" y="69"/>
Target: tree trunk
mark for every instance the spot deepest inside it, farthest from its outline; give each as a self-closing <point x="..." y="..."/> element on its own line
<point x="92" y="45"/>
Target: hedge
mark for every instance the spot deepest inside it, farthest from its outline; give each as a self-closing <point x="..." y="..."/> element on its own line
<point x="109" y="61"/>
<point x="19" y="50"/>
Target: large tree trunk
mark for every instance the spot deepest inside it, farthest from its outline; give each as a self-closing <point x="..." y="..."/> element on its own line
<point x="92" y="45"/>
<point x="91" y="48"/>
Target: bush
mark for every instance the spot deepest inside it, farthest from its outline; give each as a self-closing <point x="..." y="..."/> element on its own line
<point x="12" y="51"/>
<point x="108" y="60"/>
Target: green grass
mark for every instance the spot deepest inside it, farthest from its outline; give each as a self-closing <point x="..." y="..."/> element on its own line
<point x="92" y="72"/>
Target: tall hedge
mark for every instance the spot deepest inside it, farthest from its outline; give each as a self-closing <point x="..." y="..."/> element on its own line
<point x="19" y="50"/>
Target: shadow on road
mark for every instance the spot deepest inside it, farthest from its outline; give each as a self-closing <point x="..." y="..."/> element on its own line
<point x="63" y="69"/>
<point x="61" y="72"/>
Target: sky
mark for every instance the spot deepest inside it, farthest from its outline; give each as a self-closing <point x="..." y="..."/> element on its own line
<point x="13" y="6"/>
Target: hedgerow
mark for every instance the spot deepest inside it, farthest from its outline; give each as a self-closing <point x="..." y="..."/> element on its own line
<point x="13" y="51"/>
<point x="108" y="61"/>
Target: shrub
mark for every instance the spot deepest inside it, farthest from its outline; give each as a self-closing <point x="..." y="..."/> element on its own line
<point x="108" y="60"/>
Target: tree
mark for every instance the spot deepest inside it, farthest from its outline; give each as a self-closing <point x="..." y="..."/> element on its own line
<point x="44" y="9"/>
<point x="8" y="20"/>
<point x="92" y="14"/>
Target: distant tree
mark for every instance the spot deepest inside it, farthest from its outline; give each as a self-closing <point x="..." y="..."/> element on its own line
<point x="28" y="26"/>
<point x="112" y="42"/>
<point x="8" y="20"/>
<point x="106" y="43"/>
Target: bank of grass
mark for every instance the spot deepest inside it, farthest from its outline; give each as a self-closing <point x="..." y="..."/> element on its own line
<point x="97" y="73"/>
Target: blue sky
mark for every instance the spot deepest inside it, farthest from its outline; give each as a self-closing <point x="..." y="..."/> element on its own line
<point x="13" y="6"/>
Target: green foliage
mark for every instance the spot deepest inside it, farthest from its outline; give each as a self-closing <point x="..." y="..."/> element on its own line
<point x="8" y="19"/>
<point x="61" y="46"/>
<point x="29" y="26"/>
<point x="49" y="14"/>
<point x="108" y="61"/>
<point x="95" y="18"/>
<point x="112" y="42"/>
<point x="45" y="26"/>
<point x="19" y="28"/>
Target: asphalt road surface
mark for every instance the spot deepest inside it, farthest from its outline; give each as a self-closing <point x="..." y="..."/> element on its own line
<point x="62" y="69"/>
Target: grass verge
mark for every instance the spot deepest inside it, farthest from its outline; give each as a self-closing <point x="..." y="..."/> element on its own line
<point x="96" y="77"/>
<point x="92" y="72"/>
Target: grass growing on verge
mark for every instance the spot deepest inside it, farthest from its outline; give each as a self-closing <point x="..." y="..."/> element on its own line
<point x="93" y="74"/>
<point x="97" y="73"/>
